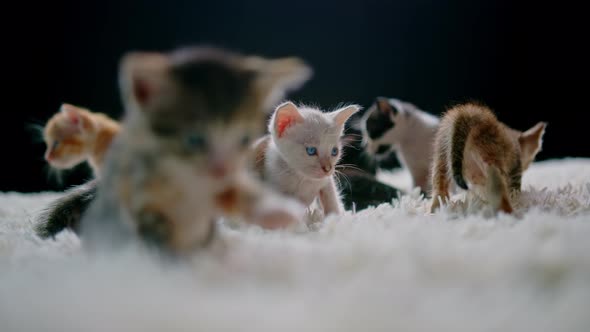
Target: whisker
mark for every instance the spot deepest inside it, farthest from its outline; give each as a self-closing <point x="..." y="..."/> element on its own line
<point x="54" y="175"/>
<point x="340" y="174"/>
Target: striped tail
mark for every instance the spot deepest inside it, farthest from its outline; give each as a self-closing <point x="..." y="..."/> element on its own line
<point x="67" y="211"/>
<point x="460" y="134"/>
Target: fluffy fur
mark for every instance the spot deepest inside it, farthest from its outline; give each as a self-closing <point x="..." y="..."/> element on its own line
<point x="394" y="125"/>
<point x="284" y="161"/>
<point x="75" y="135"/>
<point x="391" y="268"/>
<point x="179" y="163"/>
<point x="482" y="154"/>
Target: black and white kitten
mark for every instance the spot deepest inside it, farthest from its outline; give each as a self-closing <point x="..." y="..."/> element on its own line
<point x="392" y="125"/>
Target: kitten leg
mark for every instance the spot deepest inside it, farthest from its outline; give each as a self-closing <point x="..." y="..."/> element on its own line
<point x="497" y="190"/>
<point x="330" y="199"/>
<point x="153" y="227"/>
<point x="259" y="206"/>
<point x="440" y="177"/>
<point x="423" y="182"/>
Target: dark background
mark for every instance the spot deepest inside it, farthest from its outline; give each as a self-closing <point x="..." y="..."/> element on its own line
<point x="526" y="61"/>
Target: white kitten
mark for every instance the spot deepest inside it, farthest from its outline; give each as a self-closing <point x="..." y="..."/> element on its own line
<point x="394" y="125"/>
<point x="299" y="156"/>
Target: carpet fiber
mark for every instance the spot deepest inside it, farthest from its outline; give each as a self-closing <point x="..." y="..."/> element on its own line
<point x="390" y="268"/>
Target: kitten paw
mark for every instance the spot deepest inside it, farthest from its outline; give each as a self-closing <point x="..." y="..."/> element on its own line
<point x="153" y="227"/>
<point x="437" y="201"/>
<point x="276" y="220"/>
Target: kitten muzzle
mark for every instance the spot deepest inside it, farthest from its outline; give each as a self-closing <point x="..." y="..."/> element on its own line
<point x="326" y="165"/>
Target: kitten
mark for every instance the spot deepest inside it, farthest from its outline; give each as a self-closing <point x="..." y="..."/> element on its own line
<point x="482" y="154"/>
<point x="299" y="156"/>
<point x="75" y="135"/>
<point x="179" y="163"/>
<point x="394" y="125"/>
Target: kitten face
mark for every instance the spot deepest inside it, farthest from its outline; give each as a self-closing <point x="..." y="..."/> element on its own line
<point x="382" y="126"/>
<point x="203" y="107"/>
<point x="68" y="136"/>
<point x="216" y="149"/>
<point x="308" y="139"/>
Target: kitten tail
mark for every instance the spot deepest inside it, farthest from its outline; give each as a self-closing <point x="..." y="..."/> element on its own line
<point x="460" y="134"/>
<point x="66" y="211"/>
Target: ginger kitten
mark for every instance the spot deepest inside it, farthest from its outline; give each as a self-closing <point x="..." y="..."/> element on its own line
<point x="299" y="156"/>
<point x="482" y="154"/>
<point x="75" y="135"/>
<point x="394" y="125"/>
<point x="179" y="164"/>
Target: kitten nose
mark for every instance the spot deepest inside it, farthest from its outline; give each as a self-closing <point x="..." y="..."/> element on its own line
<point x="326" y="165"/>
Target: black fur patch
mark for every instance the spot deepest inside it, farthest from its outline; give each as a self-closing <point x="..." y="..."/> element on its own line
<point x="383" y="148"/>
<point x="362" y="190"/>
<point x="210" y="85"/>
<point x="378" y="123"/>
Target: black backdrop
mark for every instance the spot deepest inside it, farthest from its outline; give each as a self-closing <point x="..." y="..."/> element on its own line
<point x="526" y="61"/>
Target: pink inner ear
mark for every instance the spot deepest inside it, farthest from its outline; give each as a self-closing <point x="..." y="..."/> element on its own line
<point x="73" y="117"/>
<point x="283" y="123"/>
<point x="142" y="90"/>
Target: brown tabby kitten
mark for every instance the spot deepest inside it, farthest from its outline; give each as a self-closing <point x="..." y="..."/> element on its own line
<point x="180" y="162"/>
<point x="483" y="154"/>
<point x="75" y="135"/>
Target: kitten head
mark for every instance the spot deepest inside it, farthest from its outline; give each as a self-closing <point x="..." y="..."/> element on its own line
<point x="69" y="136"/>
<point x="203" y="105"/>
<point x="530" y="143"/>
<point x="308" y="139"/>
<point x="384" y="124"/>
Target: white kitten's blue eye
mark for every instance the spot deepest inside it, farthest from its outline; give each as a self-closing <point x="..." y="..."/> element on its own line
<point x="334" y="151"/>
<point x="195" y="142"/>
<point x="312" y="151"/>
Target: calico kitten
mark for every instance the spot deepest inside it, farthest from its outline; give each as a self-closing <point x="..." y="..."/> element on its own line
<point x="482" y="154"/>
<point x="75" y="135"/>
<point x="394" y="125"/>
<point x="299" y="156"/>
<point x="179" y="163"/>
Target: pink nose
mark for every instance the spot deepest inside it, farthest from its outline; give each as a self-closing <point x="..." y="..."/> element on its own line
<point x="326" y="165"/>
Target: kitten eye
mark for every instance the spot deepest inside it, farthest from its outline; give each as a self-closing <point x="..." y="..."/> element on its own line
<point x="334" y="151"/>
<point x="195" y="142"/>
<point x="245" y="141"/>
<point x="54" y="145"/>
<point x="311" y="150"/>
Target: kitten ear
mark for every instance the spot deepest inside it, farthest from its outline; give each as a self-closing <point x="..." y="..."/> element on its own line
<point x="77" y="117"/>
<point x="274" y="78"/>
<point x="142" y="76"/>
<point x="72" y="113"/>
<point x="531" y="142"/>
<point x="384" y="106"/>
<point x="343" y="114"/>
<point x="285" y="116"/>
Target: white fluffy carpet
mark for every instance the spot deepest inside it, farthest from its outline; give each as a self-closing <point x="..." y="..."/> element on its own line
<point x="392" y="268"/>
